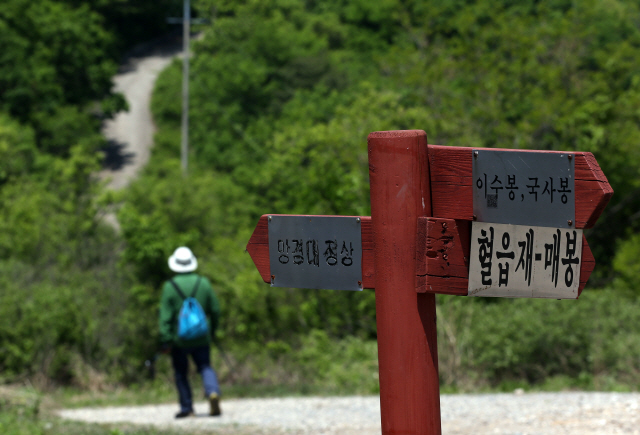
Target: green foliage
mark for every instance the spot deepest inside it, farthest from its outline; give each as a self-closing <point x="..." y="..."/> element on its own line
<point x="65" y="127"/>
<point x="18" y="411"/>
<point x="17" y="149"/>
<point x="357" y="374"/>
<point x="283" y="95"/>
<point x="627" y="266"/>
<point x="176" y="211"/>
<point x="58" y="61"/>
<point x="57" y="55"/>
<point x="51" y="324"/>
<point x="538" y="342"/>
<point x="310" y="363"/>
<point x="61" y="288"/>
<point x="132" y="22"/>
<point x="263" y="51"/>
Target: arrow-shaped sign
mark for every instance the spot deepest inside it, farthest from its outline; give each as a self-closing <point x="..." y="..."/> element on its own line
<point x="258" y="248"/>
<point x="442" y="256"/>
<point x="452" y="183"/>
<point x="473" y="185"/>
<point x="443" y="245"/>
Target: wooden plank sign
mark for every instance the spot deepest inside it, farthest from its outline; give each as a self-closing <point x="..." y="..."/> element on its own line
<point x="443" y="256"/>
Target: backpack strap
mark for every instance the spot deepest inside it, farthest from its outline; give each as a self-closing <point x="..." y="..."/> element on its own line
<point x="195" y="289"/>
<point x="177" y="289"/>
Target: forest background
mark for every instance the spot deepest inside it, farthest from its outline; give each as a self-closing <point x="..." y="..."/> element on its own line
<point x="283" y="95"/>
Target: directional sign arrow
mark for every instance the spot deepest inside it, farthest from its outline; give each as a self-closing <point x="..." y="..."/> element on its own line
<point x="258" y="248"/>
<point x="443" y="245"/>
<point x="442" y="257"/>
<point x="452" y="184"/>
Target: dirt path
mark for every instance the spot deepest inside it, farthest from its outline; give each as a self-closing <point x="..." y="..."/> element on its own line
<point x="130" y="134"/>
<point x="571" y="413"/>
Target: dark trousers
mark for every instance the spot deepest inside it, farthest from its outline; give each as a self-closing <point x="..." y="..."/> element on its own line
<point x="201" y="358"/>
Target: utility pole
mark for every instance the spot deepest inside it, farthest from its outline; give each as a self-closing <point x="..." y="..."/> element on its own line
<point x="186" y="29"/>
<point x="186" y="35"/>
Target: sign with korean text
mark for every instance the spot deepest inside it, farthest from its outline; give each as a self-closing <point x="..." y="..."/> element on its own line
<point x="445" y="220"/>
<point x="524" y="261"/>
<point x="318" y="252"/>
<point x="524" y="188"/>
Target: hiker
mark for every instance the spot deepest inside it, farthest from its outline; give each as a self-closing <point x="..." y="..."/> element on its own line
<point x="174" y="292"/>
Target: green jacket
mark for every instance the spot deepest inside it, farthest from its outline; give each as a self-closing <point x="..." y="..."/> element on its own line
<point x="171" y="302"/>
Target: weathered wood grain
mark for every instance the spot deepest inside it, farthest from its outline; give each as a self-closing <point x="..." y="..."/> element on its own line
<point x="587" y="266"/>
<point x="442" y="256"/>
<point x="593" y="191"/>
<point x="451" y="171"/>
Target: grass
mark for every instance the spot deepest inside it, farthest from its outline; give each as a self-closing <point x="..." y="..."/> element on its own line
<point x="23" y="411"/>
<point x="528" y="344"/>
<point x="257" y="371"/>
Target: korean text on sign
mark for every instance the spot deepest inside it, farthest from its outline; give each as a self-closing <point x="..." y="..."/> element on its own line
<point x="524" y="261"/>
<point x="301" y="251"/>
<point x="522" y="188"/>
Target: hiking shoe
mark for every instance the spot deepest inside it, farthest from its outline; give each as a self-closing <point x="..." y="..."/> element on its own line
<point x="183" y="414"/>
<point x="214" y="405"/>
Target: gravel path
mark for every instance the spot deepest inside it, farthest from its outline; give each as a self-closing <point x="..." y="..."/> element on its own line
<point x="130" y="134"/>
<point x="522" y="414"/>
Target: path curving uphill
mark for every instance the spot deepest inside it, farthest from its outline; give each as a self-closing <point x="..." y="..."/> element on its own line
<point x="566" y="413"/>
<point x="130" y="134"/>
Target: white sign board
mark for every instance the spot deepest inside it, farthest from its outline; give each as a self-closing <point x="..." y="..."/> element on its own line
<point x="520" y="261"/>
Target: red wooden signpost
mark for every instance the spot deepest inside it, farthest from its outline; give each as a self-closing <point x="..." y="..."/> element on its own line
<point x="416" y="244"/>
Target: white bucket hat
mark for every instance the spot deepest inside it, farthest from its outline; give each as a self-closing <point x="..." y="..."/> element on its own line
<point x="183" y="260"/>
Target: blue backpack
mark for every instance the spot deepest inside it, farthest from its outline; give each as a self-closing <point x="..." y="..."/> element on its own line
<point x="192" y="322"/>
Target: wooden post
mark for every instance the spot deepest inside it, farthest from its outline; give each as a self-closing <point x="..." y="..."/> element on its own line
<point x="406" y="320"/>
